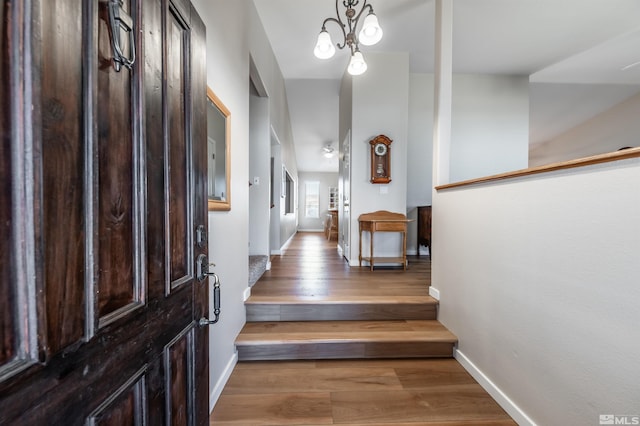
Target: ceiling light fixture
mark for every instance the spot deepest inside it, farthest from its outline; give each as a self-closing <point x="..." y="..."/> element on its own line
<point x="370" y="34"/>
<point x="328" y="151"/>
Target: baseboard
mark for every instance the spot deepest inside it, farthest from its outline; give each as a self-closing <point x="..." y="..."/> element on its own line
<point x="311" y="230"/>
<point x="496" y="393"/>
<point x="276" y="252"/>
<point x="268" y="267"/>
<point x="222" y="381"/>
<point x="412" y="252"/>
<point x="434" y="292"/>
<point x="246" y="294"/>
<point x="286" y="244"/>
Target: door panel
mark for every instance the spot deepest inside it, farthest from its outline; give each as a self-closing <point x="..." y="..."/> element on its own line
<point x="116" y="172"/>
<point x="178" y="361"/>
<point x="181" y="255"/>
<point x="105" y="174"/>
<point x="63" y="248"/>
<point x="125" y="407"/>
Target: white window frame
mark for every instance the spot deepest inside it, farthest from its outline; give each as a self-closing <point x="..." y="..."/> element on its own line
<point x="312" y="199"/>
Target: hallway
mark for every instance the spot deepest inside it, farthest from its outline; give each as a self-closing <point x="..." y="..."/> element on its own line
<point x="312" y="268"/>
<point x="420" y="391"/>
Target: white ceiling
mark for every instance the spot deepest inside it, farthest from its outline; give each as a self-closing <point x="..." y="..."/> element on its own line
<point x="555" y="41"/>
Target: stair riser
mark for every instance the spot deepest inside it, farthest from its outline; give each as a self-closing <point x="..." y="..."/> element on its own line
<point x="345" y="351"/>
<point x="340" y="312"/>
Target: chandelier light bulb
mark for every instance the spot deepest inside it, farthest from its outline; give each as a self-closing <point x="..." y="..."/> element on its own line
<point x="357" y="65"/>
<point x="324" y="47"/>
<point x="348" y="21"/>
<point x="371" y="32"/>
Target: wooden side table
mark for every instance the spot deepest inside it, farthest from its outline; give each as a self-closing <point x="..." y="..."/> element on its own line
<point x="383" y="221"/>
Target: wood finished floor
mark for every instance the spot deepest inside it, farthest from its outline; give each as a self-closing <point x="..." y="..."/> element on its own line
<point x="311" y="269"/>
<point x="349" y="392"/>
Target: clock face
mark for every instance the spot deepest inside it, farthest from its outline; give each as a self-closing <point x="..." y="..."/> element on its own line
<point x="380" y="149"/>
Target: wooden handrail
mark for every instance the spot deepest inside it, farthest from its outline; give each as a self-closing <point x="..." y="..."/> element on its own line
<point x="563" y="165"/>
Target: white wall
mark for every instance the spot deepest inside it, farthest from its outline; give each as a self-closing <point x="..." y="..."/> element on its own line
<point x="419" y="151"/>
<point x="490" y="125"/>
<point x="380" y="106"/>
<point x="234" y="33"/>
<point x="345" y="120"/>
<point x="271" y="77"/>
<point x="608" y="131"/>
<point x="326" y="180"/>
<point x="259" y="175"/>
<point x="541" y="286"/>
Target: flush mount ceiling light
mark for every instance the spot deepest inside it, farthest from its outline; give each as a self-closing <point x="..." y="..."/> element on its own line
<point x="370" y="34"/>
<point x="328" y="151"/>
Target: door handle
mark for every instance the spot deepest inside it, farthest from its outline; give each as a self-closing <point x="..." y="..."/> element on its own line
<point x="119" y="20"/>
<point x="203" y="272"/>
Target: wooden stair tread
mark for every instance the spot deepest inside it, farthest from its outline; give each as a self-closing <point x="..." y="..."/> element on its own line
<point x="344" y="331"/>
<point x="340" y="300"/>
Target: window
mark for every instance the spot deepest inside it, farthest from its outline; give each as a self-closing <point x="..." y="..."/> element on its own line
<point x="312" y="199"/>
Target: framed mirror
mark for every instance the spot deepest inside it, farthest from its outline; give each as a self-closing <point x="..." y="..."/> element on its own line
<point x="218" y="153"/>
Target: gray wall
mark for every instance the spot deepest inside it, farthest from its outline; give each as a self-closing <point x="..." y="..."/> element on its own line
<point x="419" y="152"/>
<point x="608" y="131"/>
<point x="489" y="126"/>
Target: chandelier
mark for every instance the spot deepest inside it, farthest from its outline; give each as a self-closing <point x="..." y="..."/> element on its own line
<point x="370" y="34"/>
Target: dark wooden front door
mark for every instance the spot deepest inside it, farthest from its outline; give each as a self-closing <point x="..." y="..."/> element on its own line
<point x="102" y="188"/>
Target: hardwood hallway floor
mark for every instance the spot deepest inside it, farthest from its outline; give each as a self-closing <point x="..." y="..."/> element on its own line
<point x="312" y="282"/>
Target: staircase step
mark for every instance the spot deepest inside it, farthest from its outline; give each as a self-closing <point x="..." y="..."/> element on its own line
<point x="341" y="308"/>
<point x="344" y="339"/>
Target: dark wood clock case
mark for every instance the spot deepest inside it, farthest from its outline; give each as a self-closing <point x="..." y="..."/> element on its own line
<point x="380" y="159"/>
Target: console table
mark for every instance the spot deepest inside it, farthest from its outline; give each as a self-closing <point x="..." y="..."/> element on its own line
<point x="383" y="221"/>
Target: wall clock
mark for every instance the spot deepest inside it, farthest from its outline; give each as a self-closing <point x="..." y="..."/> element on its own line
<point x="380" y="159"/>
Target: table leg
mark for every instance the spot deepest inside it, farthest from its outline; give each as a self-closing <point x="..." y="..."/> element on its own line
<point x="404" y="249"/>
<point x="371" y="250"/>
<point x="360" y="247"/>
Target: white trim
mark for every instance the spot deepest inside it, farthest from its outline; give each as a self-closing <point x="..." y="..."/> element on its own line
<point x="268" y="267"/>
<point x="246" y="293"/>
<point x="286" y="244"/>
<point x="434" y="292"/>
<point x="311" y="230"/>
<point x="276" y="252"/>
<point x="224" y="377"/>
<point x="496" y="393"/>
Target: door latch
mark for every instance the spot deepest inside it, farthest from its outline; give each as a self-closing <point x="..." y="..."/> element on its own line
<point x="201" y="236"/>
<point x="202" y="268"/>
